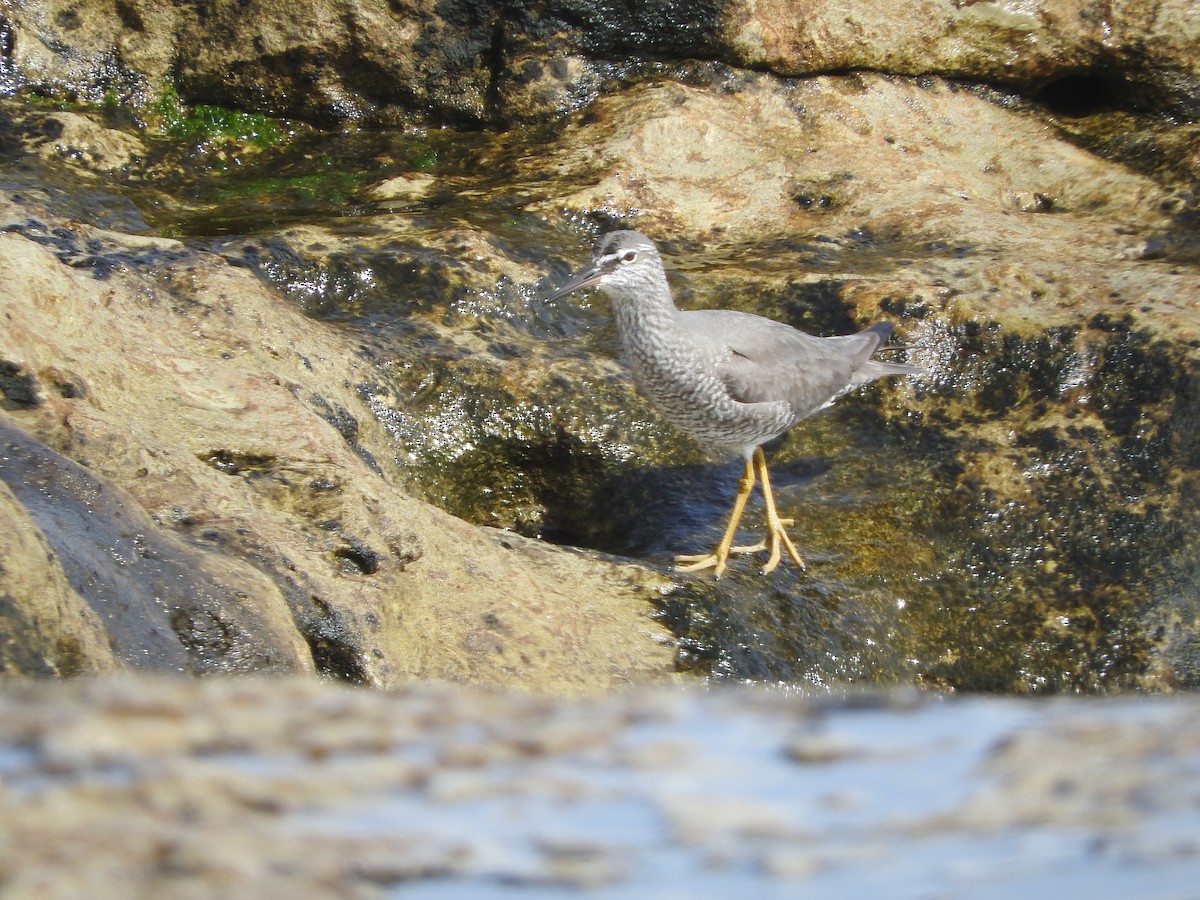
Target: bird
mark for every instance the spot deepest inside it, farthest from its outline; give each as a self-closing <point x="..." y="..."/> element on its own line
<point x="732" y="380"/>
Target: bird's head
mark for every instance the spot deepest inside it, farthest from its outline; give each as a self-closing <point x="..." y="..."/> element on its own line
<point x="624" y="264"/>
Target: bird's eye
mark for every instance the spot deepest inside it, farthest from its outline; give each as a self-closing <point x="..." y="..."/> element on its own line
<point x="630" y="255"/>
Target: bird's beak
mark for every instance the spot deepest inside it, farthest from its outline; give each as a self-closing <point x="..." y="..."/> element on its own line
<point x="589" y="277"/>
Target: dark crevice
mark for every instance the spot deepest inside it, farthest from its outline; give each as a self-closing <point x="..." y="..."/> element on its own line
<point x="332" y="640"/>
<point x="496" y="61"/>
<point x="1078" y="95"/>
<point x="8" y="42"/>
<point x="358" y="558"/>
<point x="18" y="386"/>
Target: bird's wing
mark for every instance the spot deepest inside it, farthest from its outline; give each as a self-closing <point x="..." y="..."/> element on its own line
<point x="764" y="360"/>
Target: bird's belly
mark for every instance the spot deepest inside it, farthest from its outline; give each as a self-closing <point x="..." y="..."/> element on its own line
<point x="701" y="406"/>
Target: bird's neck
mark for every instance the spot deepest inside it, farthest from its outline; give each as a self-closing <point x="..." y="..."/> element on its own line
<point x="649" y="313"/>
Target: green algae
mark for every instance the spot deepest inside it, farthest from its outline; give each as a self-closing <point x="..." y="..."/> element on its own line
<point x="201" y="122"/>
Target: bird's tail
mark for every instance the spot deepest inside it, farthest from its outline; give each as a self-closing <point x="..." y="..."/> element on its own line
<point x="877" y="368"/>
<point x="870" y="369"/>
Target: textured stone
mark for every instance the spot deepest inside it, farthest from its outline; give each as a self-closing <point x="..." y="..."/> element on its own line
<point x="1018" y="521"/>
<point x="46" y="628"/>
<point x="486" y="61"/>
<point x="202" y="445"/>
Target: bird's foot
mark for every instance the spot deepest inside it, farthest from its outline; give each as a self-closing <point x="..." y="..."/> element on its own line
<point x="714" y="561"/>
<point x="717" y="560"/>
<point x="775" y="543"/>
<point x="761" y="545"/>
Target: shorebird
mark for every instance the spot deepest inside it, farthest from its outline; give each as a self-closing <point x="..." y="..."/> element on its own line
<point x="732" y="380"/>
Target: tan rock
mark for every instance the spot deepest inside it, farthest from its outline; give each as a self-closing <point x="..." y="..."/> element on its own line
<point x="46" y="628"/>
<point x="332" y="60"/>
<point x="214" y="405"/>
<point x="93" y="147"/>
<point x="828" y="155"/>
<point x="1005" y="41"/>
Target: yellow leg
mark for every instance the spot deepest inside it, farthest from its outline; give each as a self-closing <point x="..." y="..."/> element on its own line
<point x="777" y="539"/>
<point x="776" y="533"/>
<point x="717" y="559"/>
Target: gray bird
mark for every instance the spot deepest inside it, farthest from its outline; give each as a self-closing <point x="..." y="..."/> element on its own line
<point x="732" y="380"/>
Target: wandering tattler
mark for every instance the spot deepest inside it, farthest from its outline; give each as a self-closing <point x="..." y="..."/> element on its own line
<point x="732" y="380"/>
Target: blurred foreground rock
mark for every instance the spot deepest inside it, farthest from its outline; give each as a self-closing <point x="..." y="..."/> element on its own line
<point x="250" y="788"/>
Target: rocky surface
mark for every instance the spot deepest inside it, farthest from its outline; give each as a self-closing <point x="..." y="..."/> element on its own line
<point x="249" y="788"/>
<point x="1046" y="290"/>
<point x="485" y="61"/>
<point x="196" y="488"/>
<point x="1015" y="521"/>
<point x="264" y="389"/>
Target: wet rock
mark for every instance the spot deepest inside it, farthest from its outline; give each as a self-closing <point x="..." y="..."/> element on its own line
<point x="162" y="605"/>
<point x="85" y="144"/>
<point x="1015" y="521"/>
<point x="1012" y="521"/>
<point x="213" y="490"/>
<point x="356" y="61"/>
<point x="486" y="61"/>
<point x="1072" y="420"/>
<point x="46" y="627"/>
<point x="94" y="51"/>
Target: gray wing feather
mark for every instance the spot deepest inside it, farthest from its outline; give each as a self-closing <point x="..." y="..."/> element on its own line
<point x="764" y="360"/>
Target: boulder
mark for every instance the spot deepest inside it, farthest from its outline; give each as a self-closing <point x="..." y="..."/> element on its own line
<point x="481" y="61"/>
<point x="212" y="497"/>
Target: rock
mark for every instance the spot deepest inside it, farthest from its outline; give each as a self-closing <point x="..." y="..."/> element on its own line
<point x="1061" y="354"/>
<point x="337" y="61"/>
<point x="94" y="50"/>
<point x="1011" y="522"/>
<point x="105" y="151"/>
<point x="46" y="628"/>
<point x="404" y="189"/>
<point x="776" y="158"/>
<point x="1078" y="57"/>
<point x="209" y="455"/>
<point x="158" y="603"/>
<point x="477" y="61"/>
